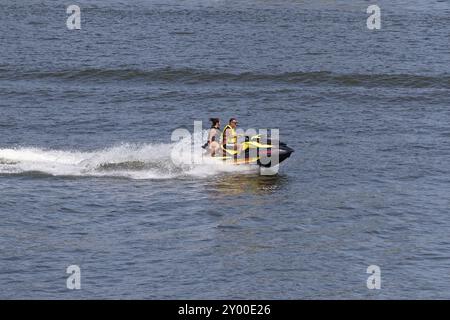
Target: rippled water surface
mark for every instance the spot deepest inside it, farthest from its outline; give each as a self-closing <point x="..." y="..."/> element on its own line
<point x="87" y="177"/>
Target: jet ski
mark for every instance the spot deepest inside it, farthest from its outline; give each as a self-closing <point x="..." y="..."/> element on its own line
<point x="260" y="150"/>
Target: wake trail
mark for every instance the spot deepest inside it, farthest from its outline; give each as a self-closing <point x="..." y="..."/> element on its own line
<point x="144" y="161"/>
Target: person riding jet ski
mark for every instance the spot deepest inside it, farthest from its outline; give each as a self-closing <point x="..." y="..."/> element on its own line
<point x="229" y="137"/>
<point x="213" y="137"/>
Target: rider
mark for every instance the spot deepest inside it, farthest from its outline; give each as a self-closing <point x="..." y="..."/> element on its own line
<point x="229" y="136"/>
<point x="213" y="136"/>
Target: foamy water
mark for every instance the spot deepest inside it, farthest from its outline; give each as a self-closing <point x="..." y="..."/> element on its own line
<point x="145" y="161"/>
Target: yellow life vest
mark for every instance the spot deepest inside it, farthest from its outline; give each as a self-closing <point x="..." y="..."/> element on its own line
<point x="231" y="137"/>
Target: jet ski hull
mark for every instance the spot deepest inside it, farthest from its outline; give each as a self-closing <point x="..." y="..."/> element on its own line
<point x="271" y="157"/>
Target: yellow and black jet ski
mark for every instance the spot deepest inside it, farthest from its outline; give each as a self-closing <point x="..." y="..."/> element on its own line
<point x="258" y="149"/>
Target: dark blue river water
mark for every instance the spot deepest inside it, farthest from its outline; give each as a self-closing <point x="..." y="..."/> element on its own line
<point x="86" y="176"/>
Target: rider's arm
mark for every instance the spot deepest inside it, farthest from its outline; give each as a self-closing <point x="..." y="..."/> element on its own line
<point x="225" y="136"/>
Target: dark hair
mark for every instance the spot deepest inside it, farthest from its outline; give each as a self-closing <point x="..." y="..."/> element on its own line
<point x="214" y="121"/>
<point x="232" y="119"/>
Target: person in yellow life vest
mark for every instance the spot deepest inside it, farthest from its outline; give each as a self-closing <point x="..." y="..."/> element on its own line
<point x="229" y="136"/>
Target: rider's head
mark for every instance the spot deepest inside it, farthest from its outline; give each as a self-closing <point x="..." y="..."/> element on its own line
<point x="215" y="122"/>
<point x="233" y="122"/>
